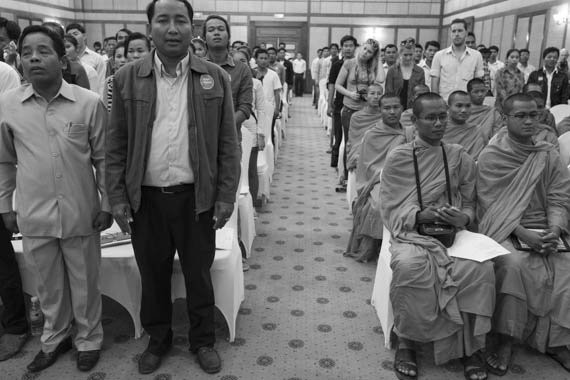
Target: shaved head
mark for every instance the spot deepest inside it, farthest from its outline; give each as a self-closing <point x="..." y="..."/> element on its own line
<point x="418" y="106"/>
<point x="509" y="102"/>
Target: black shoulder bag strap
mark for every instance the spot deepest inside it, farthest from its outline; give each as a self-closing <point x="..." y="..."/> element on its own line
<point x="417" y="173"/>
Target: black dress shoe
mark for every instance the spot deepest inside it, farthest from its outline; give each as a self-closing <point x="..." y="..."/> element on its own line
<point x="86" y="360"/>
<point x="149" y="362"/>
<point x="44" y="360"/>
<point x="209" y="359"/>
<point x="11" y="344"/>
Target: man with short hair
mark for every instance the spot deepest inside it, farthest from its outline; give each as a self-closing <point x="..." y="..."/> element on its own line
<point x="454" y="66"/>
<point x="523" y="65"/>
<point x="447" y="302"/>
<point x="418" y="53"/>
<point x="275" y="65"/>
<point x="300" y="71"/>
<point x="406" y="118"/>
<point x="432" y="47"/>
<point x="322" y="80"/>
<point x="495" y="65"/>
<point x="544" y="132"/>
<point x="217" y="34"/>
<point x="377" y="140"/>
<point x="470" y="40"/>
<point x="122" y="34"/>
<point x="459" y="130"/>
<point x="390" y="56"/>
<point x="173" y="168"/>
<point x="485" y="118"/>
<point x="555" y="88"/>
<point x="86" y="55"/>
<point x="348" y="45"/>
<point x="289" y="73"/>
<point x="55" y="131"/>
<point x="544" y="116"/>
<point x="315" y="76"/>
<point x="523" y="192"/>
<point x="486" y="54"/>
<point x="271" y="86"/>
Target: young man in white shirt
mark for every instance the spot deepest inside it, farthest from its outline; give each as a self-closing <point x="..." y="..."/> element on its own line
<point x="271" y="84"/>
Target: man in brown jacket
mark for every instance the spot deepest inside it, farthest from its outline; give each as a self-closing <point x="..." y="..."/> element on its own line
<point x="173" y="172"/>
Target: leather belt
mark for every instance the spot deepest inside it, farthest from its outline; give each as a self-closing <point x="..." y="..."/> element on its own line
<point x="172" y="189"/>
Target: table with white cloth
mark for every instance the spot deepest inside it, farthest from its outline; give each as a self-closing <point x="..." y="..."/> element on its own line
<point x="120" y="278"/>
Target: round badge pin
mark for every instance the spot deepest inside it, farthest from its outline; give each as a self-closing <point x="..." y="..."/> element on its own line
<point x="207" y="82"/>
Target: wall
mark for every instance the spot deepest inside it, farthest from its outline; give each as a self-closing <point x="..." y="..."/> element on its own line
<point x="328" y="20"/>
<point x="512" y="23"/>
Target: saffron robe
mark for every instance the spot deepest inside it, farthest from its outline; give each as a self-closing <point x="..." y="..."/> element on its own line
<point x="360" y="122"/>
<point x="468" y="135"/>
<point x="487" y="119"/>
<point x="526" y="185"/>
<point x="435" y="298"/>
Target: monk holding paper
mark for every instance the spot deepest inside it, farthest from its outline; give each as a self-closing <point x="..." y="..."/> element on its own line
<point x="437" y="299"/>
<point x="524" y="196"/>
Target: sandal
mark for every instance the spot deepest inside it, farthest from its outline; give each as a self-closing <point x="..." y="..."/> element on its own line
<point x="502" y="355"/>
<point x="556" y="355"/>
<point x="407" y="358"/>
<point x="473" y="365"/>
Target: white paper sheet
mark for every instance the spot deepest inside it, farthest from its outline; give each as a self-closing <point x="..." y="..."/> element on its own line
<point x="476" y="247"/>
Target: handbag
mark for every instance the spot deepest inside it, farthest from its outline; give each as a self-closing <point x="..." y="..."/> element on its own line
<point x="443" y="232"/>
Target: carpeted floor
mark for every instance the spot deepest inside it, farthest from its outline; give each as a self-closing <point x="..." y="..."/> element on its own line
<point x="307" y="312"/>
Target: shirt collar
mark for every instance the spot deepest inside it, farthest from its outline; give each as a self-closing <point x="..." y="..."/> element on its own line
<point x="450" y="50"/>
<point x="555" y="71"/>
<point x="229" y="60"/>
<point x="181" y="67"/>
<point x="65" y="91"/>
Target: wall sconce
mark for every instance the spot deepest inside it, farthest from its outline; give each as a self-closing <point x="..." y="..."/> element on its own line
<point x="279" y="15"/>
<point x="198" y="15"/>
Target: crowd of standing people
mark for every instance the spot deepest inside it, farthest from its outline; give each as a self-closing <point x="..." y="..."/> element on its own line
<point x="148" y="135"/>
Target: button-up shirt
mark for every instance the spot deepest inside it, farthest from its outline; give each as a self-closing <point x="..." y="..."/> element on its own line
<point x="9" y="77"/>
<point x="169" y="155"/>
<point x="549" y="80"/>
<point x="423" y="64"/>
<point x="56" y="145"/>
<point x="526" y="70"/>
<point x="299" y="66"/>
<point x="454" y="72"/>
<point x="315" y="69"/>
<point x="493" y="68"/>
<point x="96" y="61"/>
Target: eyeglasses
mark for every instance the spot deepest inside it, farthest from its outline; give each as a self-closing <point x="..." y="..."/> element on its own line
<point x="523" y="116"/>
<point x="433" y="118"/>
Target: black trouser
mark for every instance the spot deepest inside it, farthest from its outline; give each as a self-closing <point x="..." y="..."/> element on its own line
<point x="14" y="317"/>
<point x="299" y="84"/>
<point x="345" y="116"/>
<point x="253" y="177"/>
<point x="316" y="91"/>
<point x="165" y="224"/>
<point x="337" y="131"/>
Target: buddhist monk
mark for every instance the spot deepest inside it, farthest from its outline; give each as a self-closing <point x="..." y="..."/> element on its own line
<point x="487" y="119"/>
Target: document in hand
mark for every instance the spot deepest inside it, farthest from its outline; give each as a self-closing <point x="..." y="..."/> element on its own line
<point x="476" y="247"/>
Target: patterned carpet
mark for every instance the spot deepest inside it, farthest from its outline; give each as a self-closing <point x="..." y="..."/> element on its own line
<point x="307" y="312"/>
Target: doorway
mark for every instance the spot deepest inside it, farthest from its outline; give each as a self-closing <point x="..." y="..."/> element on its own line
<point x="293" y="34"/>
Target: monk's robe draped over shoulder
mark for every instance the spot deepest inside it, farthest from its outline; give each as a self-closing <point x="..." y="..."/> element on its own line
<point x="548" y="134"/>
<point x="436" y="298"/>
<point x="364" y="242"/>
<point x="487" y="119"/>
<point x="467" y="135"/>
<point x="526" y="185"/>
<point x="360" y="122"/>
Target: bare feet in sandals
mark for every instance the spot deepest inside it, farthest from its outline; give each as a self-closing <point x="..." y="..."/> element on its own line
<point x="405" y="363"/>
<point x="498" y="362"/>
<point x="474" y="367"/>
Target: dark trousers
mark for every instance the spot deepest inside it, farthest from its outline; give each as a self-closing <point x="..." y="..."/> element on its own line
<point x="14" y="317"/>
<point x="252" y="173"/>
<point x="165" y="224"/>
<point x="298" y="83"/>
<point x="316" y="92"/>
<point x="337" y="132"/>
<point x="345" y="116"/>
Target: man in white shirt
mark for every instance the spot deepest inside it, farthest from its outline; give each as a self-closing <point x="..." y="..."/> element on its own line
<point x="86" y="55"/>
<point x="271" y="84"/>
<point x="432" y="47"/>
<point x="314" y="76"/>
<point x="523" y="65"/>
<point x="299" y="73"/>
<point x="494" y="65"/>
<point x="456" y="65"/>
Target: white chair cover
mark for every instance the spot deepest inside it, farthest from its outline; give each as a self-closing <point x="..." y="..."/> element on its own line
<point x="381" y="291"/>
<point x="120" y="278"/>
<point x="564" y="142"/>
<point x="351" y="188"/>
<point x="245" y="202"/>
<point x="560" y="111"/>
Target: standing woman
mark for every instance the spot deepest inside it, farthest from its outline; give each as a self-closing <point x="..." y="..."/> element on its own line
<point x="137" y="45"/>
<point x="119" y="60"/>
<point x="509" y="80"/>
<point x="403" y="76"/>
<point x="353" y="80"/>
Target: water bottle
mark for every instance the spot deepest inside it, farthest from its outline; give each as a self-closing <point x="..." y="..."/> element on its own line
<point x="36" y="317"/>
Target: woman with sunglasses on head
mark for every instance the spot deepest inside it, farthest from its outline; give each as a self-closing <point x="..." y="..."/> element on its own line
<point x="353" y="80"/>
<point x="404" y="75"/>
